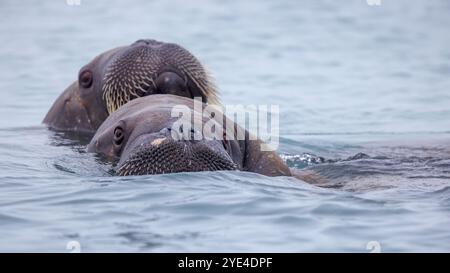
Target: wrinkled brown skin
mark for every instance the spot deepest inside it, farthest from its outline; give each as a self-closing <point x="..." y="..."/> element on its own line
<point x="79" y="109"/>
<point x="263" y="162"/>
<point x="140" y="114"/>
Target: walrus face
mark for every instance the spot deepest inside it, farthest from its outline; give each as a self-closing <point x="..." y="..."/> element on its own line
<point x="158" y="153"/>
<point x="149" y="147"/>
<point x="145" y="67"/>
<point x="144" y="137"/>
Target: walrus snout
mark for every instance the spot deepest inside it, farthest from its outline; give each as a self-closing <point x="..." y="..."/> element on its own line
<point x="159" y="153"/>
<point x="148" y="67"/>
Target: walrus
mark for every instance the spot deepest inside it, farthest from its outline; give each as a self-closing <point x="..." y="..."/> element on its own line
<point x="113" y="78"/>
<point x="142" y="137"/>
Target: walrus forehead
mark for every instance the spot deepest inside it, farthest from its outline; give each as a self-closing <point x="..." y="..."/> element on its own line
<point x="166" y="105"/>
<point x="98" y="65"/>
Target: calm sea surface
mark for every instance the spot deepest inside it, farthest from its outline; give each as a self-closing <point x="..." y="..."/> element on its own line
<point x="364" y="94"/>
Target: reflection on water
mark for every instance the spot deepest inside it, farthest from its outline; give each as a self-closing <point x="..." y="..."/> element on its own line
<point x="363" y="93"/>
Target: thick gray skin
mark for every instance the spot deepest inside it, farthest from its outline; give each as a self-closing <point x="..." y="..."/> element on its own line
<point x="138" y="135"/>
<point x="143" y="68"/>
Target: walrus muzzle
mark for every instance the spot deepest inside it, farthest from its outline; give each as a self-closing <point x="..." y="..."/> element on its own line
<point x="149" y="67"/>
<point x="159" y="154"/>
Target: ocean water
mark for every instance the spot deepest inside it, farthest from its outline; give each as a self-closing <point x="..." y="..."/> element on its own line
<point x="364" y="95"/>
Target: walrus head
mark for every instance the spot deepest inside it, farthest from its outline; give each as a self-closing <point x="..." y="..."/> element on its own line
<point x="119" y="75"/>
<point x="143" y="138"/>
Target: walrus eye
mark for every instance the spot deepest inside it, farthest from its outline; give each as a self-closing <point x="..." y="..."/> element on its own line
<point x="118" y="136"/>
<point x="85" y="79"/>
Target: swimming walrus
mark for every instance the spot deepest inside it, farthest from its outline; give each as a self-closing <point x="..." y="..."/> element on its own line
<point x="145" y="137"/>
<point x="124" y="73"/>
